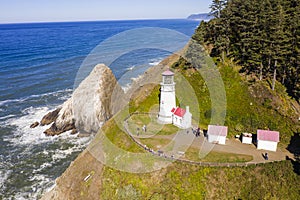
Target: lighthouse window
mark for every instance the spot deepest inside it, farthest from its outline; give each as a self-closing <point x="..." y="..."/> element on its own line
<point x="168" y="80"/>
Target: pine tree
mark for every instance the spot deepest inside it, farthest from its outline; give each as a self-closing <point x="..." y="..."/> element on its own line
<point x="262" y="36"/>
<point x="216" y="7"/>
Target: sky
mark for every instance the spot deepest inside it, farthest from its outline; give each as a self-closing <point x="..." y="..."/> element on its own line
<point x="18" y="11"/>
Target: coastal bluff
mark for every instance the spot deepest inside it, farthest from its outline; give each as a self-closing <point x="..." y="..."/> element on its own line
<point x="89" y="106"/>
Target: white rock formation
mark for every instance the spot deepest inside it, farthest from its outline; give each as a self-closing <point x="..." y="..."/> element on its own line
<point x="90" y="105"/>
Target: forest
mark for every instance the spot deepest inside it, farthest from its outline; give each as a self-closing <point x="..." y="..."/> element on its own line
<point x="261" y="36"/>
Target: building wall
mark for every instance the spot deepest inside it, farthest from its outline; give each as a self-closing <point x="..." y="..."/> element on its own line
<point x="167" y="102"/>
<point x="177" y="121"/>
<point x="216" y="138"/>
<point x="187" y="120"/>
<point x="267" y="145"/>
<point x="184" y="122"/>
<point x="246" y="140"/>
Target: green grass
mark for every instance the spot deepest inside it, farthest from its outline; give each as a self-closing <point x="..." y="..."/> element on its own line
<point x="119" y="138"/>
<point x="184" y="181"/>
<point x="244" y="113"/>
<point x="147" y="104"/>
<point x="137" y="121"/>
<point x="217" y="157"/>
<point x="156" y="143"/>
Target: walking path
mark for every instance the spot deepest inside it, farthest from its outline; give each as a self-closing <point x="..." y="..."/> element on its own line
<point x="184" y="139"/>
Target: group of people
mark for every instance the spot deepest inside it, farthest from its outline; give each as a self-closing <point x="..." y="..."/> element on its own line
<point x="196" y="131"/>
<point x="144" y="128"/>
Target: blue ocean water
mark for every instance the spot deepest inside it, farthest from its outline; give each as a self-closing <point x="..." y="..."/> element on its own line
<point x="38" y="66"/>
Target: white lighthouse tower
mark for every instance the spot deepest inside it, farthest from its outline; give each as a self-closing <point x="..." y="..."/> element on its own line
<point x="167" y="98"/>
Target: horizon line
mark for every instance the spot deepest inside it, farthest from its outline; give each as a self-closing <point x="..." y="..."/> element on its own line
<point x="105" y="20"/>
<point x="93" y="20"/>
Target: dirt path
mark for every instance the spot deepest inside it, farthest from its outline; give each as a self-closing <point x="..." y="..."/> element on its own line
<point x="235" y="146"/>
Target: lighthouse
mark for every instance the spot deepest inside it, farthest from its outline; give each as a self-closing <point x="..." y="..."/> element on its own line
<point x="167" y="98"/>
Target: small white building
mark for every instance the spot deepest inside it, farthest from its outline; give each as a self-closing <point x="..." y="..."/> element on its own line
<point x="182" y="118"/>
<point x="267" y="140"/>
<point x="217" y="134"/>
<point x="247" y="138"/>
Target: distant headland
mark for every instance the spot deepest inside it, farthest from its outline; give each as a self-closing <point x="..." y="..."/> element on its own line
<point x="200" y="17"/>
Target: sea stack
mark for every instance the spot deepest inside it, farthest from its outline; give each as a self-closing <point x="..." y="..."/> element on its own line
<point x="90" y="105"/>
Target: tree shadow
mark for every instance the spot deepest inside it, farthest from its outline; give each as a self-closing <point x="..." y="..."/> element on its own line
<point x="294" y="148"/>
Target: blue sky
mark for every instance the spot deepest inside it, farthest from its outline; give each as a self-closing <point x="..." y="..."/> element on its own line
<point x="13" y="11"/>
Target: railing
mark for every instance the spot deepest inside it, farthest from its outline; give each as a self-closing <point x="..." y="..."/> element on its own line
<point x="204" y="164"/>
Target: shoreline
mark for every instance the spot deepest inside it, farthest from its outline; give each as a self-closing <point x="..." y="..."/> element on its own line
<point x="147" y="77"/>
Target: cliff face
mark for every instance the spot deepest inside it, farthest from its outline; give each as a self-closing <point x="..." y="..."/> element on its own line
<point x="90" y="105"/>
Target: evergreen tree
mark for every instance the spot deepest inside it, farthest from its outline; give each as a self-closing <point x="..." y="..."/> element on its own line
<point x="216" y="7"/>
<point x="262" y="36"/>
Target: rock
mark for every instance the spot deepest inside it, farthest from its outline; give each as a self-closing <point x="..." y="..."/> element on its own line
<point x="50" y="117"/>
<point x="74" y="131"/>
<point x="81" y="135"/>
<point x="35" y="124"/>
<point x="54" y="130"/>
<point x="90" y="105"/>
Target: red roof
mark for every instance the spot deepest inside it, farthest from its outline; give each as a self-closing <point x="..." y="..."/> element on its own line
<point x="217" y="130"/>
<point x="178" y="111"/>
<point x="168" y="73"/>
<point x="268" y="135"/>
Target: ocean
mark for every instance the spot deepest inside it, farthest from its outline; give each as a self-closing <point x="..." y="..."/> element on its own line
<point x="38" y="67"/>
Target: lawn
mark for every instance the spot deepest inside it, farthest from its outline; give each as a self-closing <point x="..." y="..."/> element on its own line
<point x="217" y="157"/>
<point x="137" y="121"/>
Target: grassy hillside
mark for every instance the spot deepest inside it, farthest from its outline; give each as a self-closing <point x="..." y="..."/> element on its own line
<point x="250" y="106"/>
<point x="183" y="181"/>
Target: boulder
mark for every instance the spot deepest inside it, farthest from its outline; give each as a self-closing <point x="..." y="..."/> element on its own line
<point x="74" y="131"/>
<point x="35" y="124"/>
<point x="50" y="117"/>
<point x="54" y="130"/>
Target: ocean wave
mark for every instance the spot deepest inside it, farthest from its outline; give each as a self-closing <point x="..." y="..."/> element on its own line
<point x="53" y="151"/>
<point x="3" y="177"/>
<point x="126" y="87"/>
<point x="130" y="68"/>
<point x="11" y="68"/>
<point x="6" y="117"/>
<point x="36" y="189"/>
<point x="23" y="134"/>
<point x="56" y="93"/>
<point x="135" y="79"/>
<point x="155" y="62"/>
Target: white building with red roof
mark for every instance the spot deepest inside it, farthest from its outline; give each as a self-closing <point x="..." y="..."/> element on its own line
<point x="169" y="113"/>
<point x="217" y="134"/>
<point x="182" y="118"/>
<point x="267" y="140"/>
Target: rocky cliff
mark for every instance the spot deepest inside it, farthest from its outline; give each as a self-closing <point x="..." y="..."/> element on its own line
<point x="89" y="107"/>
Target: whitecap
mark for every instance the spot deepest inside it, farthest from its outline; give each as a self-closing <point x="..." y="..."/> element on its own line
<point x="6" y="117"/>
<point x="135" y="79"/>
<point x="155" y="62"/>
<point x="3" y="177"/>
<point x="130" y="68"/>
<point x="25" y="135"/>
<point x="56" y="93"/>
<point x="126" y="87"/>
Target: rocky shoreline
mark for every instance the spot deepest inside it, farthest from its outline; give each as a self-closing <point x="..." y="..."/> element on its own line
<point x="88" y="108"/>
<point x="66" y="185"/>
